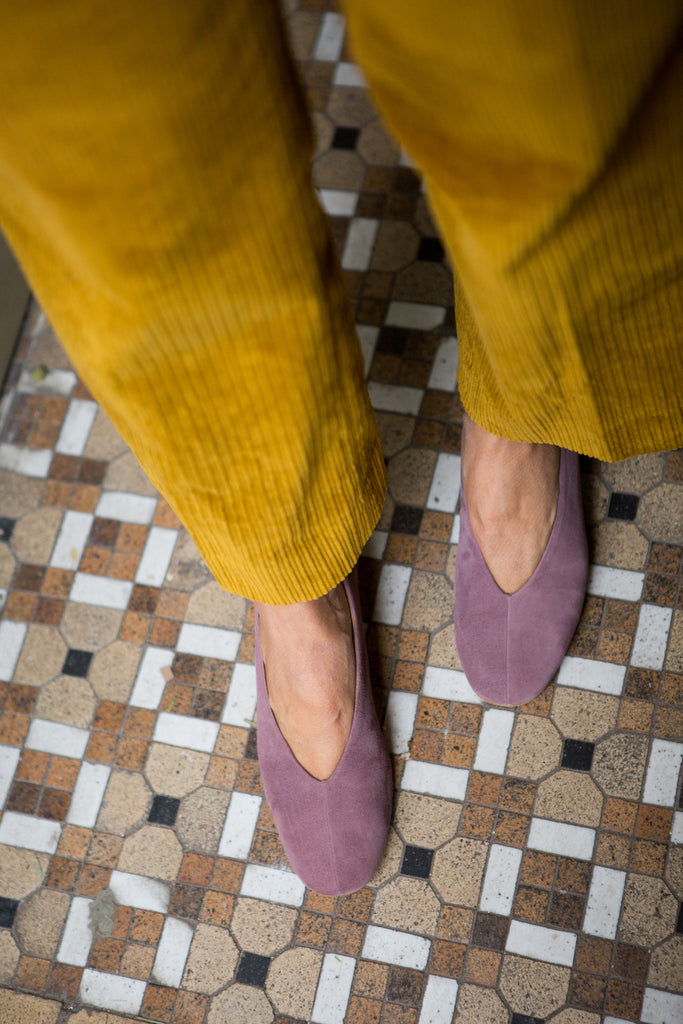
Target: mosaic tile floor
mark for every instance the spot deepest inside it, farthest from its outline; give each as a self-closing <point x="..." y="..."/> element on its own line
<point x="534" y="869"/>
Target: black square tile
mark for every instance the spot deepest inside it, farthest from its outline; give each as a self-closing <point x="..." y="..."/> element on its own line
<point x="577" y="754"/>
<point x="623" y="506"/>
<point x="6" y="527"/>
<point x="345" y="138"/>
<point x="164" y="810"/>
<point x="253" y="969"/>
<point x="417" y="861"/>
<point x="406" y="519"/>
<point x="679" y="922"/>
<point x="522" y="1018"/>
<point x="430" y="249"/>
<point x="490" y="931"/>
<point x="8" y="911"/>
<point x="77" y="663"/>
<point x="250" y="751"/>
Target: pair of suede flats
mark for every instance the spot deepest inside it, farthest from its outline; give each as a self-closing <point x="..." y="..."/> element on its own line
<point x="333" y="831"/>
<point x="511" y="645"/>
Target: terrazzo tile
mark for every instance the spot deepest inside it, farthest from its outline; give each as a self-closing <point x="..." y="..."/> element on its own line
<point x="535" y="748"/>
<point x="292" y="981"/>
<point x="407" y="904"/>
<point x="648" y="912"/>
<point x="619" y="764"/>
<point x="477" y="1005"/>
<point x="200" y="820"/>
<point x="151" y="850"/>
<point x="242" y="1004"/>
<point x="261" y="927"/>
<point x="571" y="797"/>
<point x="39" y="922"/>
<point x="212" y="960"/>
<point x="174" y="771"/>
<point x="583" y="715"/>
<point x="9" y="958"/>
<point x="87" y="627"/>
<point x="424" y="820"/>
<point x="68" y="700"/>
<point x="26" y="1009"/>
<point x="126" y="802"/>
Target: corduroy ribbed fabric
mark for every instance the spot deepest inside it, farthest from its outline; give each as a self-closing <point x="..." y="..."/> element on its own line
<point x="155" y="184"/>
<point x="551" y="136"/>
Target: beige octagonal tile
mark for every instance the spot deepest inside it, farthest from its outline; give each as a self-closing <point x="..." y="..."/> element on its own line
<point x="396" y="246"/>
<point x="619" y="764"/>
<point x="536" y="747"/>
<point x="211" y="606"/>
<point x="581" y="715"/>
<point x="126" y="802"/>
<point x="42" y="656"/>
<point x="104" y="441"/>
<point x="7" y="565"/>
<point x="212" y="960"/>
<point x="442" y="650"/>
<point x="395" y="432"/>
<point x="408" y="904"/>
<point x="390" y="862"/>
<point x="617" y="544"/>
<point x="21" y="871"/>
<point x="9" y="958"/>
<point x="124" y="473"/>
<point x="292" y="981"/>
<point x="34" y="535"/>
<point x="410" y="476"/>
<point x="429" y="603"/>
<point x="458" y="869"/>
<point x="533" y="987"/>
<point x="17" y="1008"/>
<point x="477" y="1005"/>
<point x="575" y="1017"/>
<point x="20" y="493"/>
<point x="633" y="476"/>
<point x="674" y="870"/>
<point x="426" y="820"/>
<point x="67" y="699"/>
<point x="201" y="818"/>
<point x="241" y="1004"/>
<point x="660" y="513"/>
<point x="648" y="911"/>
<point x="666" y="965"/>
<point x="39" y="922"/>
<point x="569" y="796"/>
<point x="262" y="927"/>
<point x="153" y="850"/>
<point x="113" y="670"/>
<point x="89" y="628"/>
<point x="174" y="771"/>
<point x="187" y="570"/>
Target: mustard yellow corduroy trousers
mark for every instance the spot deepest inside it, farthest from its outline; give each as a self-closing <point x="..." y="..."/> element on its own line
<point x="154" y="183"/>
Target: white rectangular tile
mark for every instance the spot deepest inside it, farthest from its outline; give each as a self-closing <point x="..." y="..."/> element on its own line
<point x="435" y="779"/>
<point x="9" y="759"/>
<point x="376" y="545"/>
<point x="603" y="905"/>
<point x="77" y="938"/>
<point x="444" y="373"/>
<point x="494" y="741"/>
<point x="111" y="991"/>
<point x="438" y="1004"/>
<point x="677" y="827"/>
<point x="208" y="641"/>
<point x="391" y="594"/>
<point x="29" y="833"/>
<point x="186" y="731"/>
<point x="55" y="382"/>
<point x="272" y="884"/>
<point x="500" y="880"/>
<point x="338" y="202"/>
<point x="240" y="825"/>
<point x="395" y="398"/>
<point x="623" y="584"/>
<point x="538" y="943"/>
<point x="586" y="674"/>
<point x="156" y="556"/>
<point x="663" y="768"/>
<point x="558" y="837"/>
<point x="616" y="1020"/>
<point x="127" y="508"/>
<point x="349" y="74"/>
<point x="416" y="315"/>
<point x="392" y="947"/>
<point x="174" y="946"/>
<point x="87" y="795"/>
<point x="240" y="704"/>
<point x="455" y="532"/>
<point x="149" y="681"/>
<point x="360" y="241"/>
<point x="328" y="45"/>
<point x="100" y="591"/>
<point x="139" y="891"/>
<point x="652" y="633"/>
<point x="661" y="1007"/>
<point x="399" y="720"/>
<point x="33" y="462"/>
<point x="334" y="989"/>
<point x="448" y="684"/>
<point x="12" y="636"/>
<point x="367" y="335"/>
<point x="76" y="427"/>
<point x="445" y="489"/>
<point x="57" y="738"/>
<point x="71" y="540"/>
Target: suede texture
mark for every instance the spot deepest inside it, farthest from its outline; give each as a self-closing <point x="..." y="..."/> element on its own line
<point x="511" y="645"/>
<point x="333" y="831"/>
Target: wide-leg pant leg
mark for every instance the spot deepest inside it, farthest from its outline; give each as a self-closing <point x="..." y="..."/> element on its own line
<point x="154" y="183"/>
<point x="551" y="138"/>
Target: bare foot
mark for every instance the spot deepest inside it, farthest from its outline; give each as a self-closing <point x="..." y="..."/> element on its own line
<point x="310" y="661"/>
<point x="511" y="490"/>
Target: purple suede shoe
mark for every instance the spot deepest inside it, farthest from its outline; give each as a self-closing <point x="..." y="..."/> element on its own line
<point x="511" y="645"/>
<point x="333" y="831"/>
